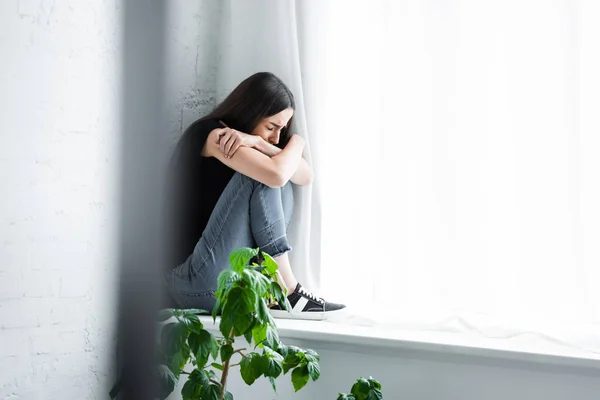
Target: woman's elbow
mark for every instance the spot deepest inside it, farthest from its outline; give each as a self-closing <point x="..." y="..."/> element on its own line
<point x="276" y="180"/>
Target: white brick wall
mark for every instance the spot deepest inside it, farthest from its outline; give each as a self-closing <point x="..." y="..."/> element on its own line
<point x="58" y="135"/>
<point x="58" y="130"/>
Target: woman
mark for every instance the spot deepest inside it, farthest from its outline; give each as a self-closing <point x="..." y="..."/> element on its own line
<point x="233" y="171"/>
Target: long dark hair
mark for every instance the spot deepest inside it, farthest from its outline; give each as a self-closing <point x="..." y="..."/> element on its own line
<point x="256" y="97"/>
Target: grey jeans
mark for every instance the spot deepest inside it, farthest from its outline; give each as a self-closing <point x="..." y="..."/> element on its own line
<point x="248" y="214"/>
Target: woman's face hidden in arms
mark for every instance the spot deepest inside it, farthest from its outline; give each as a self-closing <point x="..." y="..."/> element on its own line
<point x="270" y="127"/>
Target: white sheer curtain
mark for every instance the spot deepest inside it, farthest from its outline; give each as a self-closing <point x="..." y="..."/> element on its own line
<point x="455" y="146"/>
<point x="266" y="35"/>
<point x="460" y="173"/>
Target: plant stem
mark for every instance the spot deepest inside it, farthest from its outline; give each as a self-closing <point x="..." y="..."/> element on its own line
<point x="225" y="369"/>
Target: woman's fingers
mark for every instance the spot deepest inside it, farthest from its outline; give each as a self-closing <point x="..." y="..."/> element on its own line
<point x="224" y="141"/>
<point x="220" y="133"/>
<point x="236" y="145"/>
<point x="229" y="145"/>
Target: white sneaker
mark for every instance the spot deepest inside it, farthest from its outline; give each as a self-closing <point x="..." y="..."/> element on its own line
<point x="306" y="305"/>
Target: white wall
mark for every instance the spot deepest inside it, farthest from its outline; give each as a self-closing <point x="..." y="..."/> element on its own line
<point x="57" y="131"/>
<point x="417" y="375"/>
<point x="58" y="162"/>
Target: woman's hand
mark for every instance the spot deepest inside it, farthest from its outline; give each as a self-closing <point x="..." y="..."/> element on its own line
<point x="229" y="140"/>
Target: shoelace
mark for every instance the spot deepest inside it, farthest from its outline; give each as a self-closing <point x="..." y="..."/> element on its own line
<point x="311" y="296"/>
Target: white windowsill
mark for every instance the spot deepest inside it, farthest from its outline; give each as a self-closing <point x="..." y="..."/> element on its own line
<point x="349" y="337"/>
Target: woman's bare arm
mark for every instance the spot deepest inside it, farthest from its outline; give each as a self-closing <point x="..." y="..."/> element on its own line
<point x="273" y="171"/>
<point x="303" y="175"/>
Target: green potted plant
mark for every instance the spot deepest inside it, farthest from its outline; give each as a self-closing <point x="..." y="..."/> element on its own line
<point x="244" y="293"/>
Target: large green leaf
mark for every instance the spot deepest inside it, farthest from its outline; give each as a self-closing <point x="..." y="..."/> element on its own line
<point x="270" y="263"/>
<point x="193" y="387"/>
<point x="259" y="333"/>
<point x="256" y="281"/>
<point x="300" y="377"/>
<point x="179" y="359"/>
<point x="242" y="324"/>
<point x="167" y="380"/>
<point x="361" y="388"/>
<point x="239" y="258"/>
<point x="280" y="297"/>
<point x="262" y="313"/>
<point x="375" y="394"/>
<point x="272" y="337"/>
<point x="274" y="360"/>
<point x="211" y="391"/>
<point x="173" y="336"/>
<point x="373" y="383"/>
<point x="191" y="322"/>
<point x="311" y="355"/>
<point x="252" y="366"/>
<point x="205" y="345"/>
<point x="260" y="364"/>
<point x="272" y="380"/>
<point x="226" y="352"/>
<point x="216" y="309"/>
<point x="239" y="301"/>
<point x="314" y="370"/>
<point x="226" y="325"/>
<point x="247" y="369"/>
<point x="227" y="396"/>
<point x="226" y="278"/>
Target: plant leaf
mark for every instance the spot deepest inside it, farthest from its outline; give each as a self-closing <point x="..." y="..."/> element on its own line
<point x="260" y="364"/>
<point x="173" y="336"/>
<point x="216" y="309"/>
<point x="300" y="377"/>
<point x="227" y="396"/>
<point x="226" y="278"/>
<point x="274" y="368"/>
<point x="259" y="333"/>
<point x="206" y="345"/>
<point x="211" y="391"/>
<point x="314" y="370"/>
<point x="167" y="380"/>
<point x="272" y="337"/>
<point x="248" y="335"/>
<point x="239" y="258"/>
<point x="178" y="360"/>
<point x="226" y="352"/>
<point x="217" y="366"/>
<point x="192" y="388"/>
<point x="226" y="324"/>
<point x="311" y="355"/>
<point x="280" y="297"/>
<point x="344" y="396"/>
<point x="257" y="281"/>
<point x="272" y="380"/>
<point x="191" y="322"/>
<point x="195" y="311"/>
<point x="375" y="394"/>
<point x="270" y="263"/>
<point x="247" y="370"/>
<point x="262" y="313"/>
<point x="374" y="384"/>
<point x="361" y="388"/>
